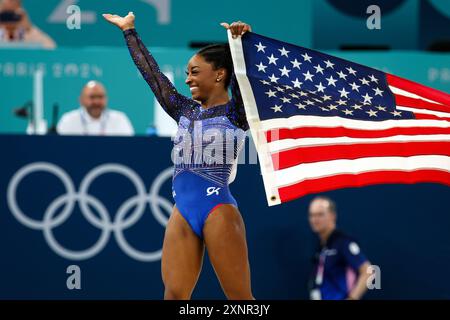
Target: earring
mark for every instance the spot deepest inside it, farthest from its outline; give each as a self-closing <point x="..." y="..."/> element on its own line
<point x="218" y="79"/>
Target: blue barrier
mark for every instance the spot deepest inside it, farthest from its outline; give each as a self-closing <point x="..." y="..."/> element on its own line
<point x="402" y="228"/>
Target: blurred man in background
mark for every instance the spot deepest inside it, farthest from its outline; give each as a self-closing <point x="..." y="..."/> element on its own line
<point x="341" y="269"/>
<point x="93" y="117"/>
<point x="16" y="27"/>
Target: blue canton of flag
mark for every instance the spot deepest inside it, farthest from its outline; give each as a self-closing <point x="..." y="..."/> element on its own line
<point x="289" y="80"/>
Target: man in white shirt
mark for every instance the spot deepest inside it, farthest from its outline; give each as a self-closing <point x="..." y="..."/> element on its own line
<point x="93" y="118"/>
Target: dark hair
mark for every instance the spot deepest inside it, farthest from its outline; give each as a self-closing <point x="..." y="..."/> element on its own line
<point x="331" y="204"/>
<point x="219" y="55"/>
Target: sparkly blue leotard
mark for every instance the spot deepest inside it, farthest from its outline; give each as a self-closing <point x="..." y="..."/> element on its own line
<point x="207" y="143"/>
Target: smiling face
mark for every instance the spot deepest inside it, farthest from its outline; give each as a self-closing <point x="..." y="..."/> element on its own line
<point x="202" y="79"/>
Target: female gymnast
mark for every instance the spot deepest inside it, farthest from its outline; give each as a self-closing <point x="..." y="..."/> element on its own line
<point x="205" y="212"/>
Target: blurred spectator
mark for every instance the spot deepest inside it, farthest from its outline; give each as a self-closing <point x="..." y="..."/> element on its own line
<point x="16" y="27"/>
<point x="341" y="269"/>
<point x="93" y="118"/>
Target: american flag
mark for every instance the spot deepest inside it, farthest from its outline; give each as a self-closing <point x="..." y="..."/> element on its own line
<point x="321" y="123"/>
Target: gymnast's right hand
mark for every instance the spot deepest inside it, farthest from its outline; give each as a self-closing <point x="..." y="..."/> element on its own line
<point x="124" y="23"/>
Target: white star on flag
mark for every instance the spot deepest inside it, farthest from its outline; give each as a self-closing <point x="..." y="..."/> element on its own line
<point x="367" y="98"/>
<point x="332" y="107"/>
<point x="261" y="67"/>
<point x="344" y="93"/>
<point x="285" y="71"/>
<point x="319" y="69"/>
<point x="348" y="112"/>
<point x="342" y="75"/>
<point x="372" y="78"/>
<point x="273" y="78"/>
<point x="277" y="108"/>
<point x="378" y="92"/>
<point x="350" y="70"/>
<point x="272" y="59"/>
<point x="329" y="64"/>
<point x="296" y="64"/>
<point x="306" y="57"/>
<point x="308" y="76"/>
<point x="364" y="81"/>
<point x="372" y="113"/>
<point x="284" y="52"/>
<point x="357" y="107"/>
<point x="297" y="83"/>
<point x="271" y="93"/>
<point x="319" y="87"/>
<point x="355" y="86"/>
<point x="331" y="81"/>
<point x="260" y="47"/>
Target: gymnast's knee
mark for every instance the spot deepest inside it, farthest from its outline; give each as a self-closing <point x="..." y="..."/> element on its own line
<point x="176" y="293"/>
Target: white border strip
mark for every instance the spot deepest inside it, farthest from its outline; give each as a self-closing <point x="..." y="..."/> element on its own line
<point x="251" y="110"/>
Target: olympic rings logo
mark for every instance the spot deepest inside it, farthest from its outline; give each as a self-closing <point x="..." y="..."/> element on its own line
<point x="86" y="201"/>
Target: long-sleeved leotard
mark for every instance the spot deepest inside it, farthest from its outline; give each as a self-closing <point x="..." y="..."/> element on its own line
<point x="174" y="103"/>
<point x="207" y="143"/>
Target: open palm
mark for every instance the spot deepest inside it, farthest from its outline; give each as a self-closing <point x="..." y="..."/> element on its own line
<point x="123" y="23"/>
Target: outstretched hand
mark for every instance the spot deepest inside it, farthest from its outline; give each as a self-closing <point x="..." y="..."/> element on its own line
<point x="123" y="23"/>
<point x="237" y="28"/>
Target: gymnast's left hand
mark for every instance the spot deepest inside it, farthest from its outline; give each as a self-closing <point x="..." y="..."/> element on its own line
<point x="237" y="28"/>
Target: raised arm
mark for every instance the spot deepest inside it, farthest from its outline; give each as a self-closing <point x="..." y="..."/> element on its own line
<point x="168" y="97"/>
<point x="237" y="111"/>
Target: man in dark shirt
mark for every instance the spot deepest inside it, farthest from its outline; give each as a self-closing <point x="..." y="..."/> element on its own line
<point x="341" y="269"/>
